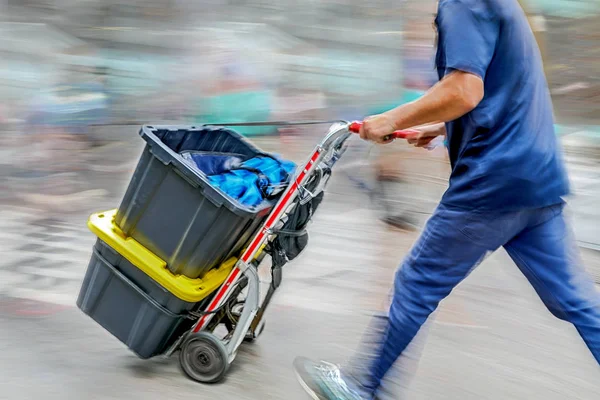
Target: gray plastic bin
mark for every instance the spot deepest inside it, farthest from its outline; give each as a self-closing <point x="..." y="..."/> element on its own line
<point x="171" y="208"/>
<point x="130" y="305"/>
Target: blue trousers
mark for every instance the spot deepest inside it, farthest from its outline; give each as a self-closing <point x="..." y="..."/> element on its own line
<point x="454" y="241"/>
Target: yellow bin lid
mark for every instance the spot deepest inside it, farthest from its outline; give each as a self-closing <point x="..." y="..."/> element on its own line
<point x="184" y="288"/>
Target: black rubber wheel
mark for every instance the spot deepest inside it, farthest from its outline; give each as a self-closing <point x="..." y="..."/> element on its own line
<point x="204" y="358"/>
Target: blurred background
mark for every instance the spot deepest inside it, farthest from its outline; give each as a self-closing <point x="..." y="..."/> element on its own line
<point x="78" y="78"/>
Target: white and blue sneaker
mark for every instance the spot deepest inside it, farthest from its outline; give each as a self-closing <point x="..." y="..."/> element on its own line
<point x="325" y="381"/>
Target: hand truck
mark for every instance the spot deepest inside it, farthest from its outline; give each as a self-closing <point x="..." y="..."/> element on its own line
<point x="203" y="356"/>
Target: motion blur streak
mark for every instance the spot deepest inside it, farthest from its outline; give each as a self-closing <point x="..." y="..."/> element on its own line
<point x="78" y="78"/>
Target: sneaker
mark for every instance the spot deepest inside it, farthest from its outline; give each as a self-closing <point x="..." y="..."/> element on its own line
<point x="325" y="381"/>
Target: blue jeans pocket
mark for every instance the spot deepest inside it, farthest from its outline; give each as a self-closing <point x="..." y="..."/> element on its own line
<point x="488" y="229"/>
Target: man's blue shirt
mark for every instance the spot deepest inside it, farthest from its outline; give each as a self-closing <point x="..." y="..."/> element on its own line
<point x="504" y="153"/>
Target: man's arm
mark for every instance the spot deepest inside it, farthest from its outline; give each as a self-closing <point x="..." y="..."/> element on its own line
<point x="468" y="32"/>
<point x="451" y="98"/>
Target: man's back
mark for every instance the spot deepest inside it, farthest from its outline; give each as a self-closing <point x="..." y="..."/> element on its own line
<point x="504" y="153"/>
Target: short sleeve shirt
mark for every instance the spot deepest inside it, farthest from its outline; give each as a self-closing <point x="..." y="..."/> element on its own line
<point x="504" y="153"/>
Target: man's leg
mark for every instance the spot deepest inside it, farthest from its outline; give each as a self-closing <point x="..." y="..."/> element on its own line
<point x="548" y="256"/>
<point x="398" y="380"/>
<point x="451" y="245"/>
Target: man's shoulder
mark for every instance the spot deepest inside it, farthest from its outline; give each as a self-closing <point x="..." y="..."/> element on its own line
<point x="481" y="8"/>
<point x="450" y="3"/>
<point x="469" y="3"/>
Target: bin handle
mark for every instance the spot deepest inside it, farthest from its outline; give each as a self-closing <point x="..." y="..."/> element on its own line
<point x="355" y="127"/>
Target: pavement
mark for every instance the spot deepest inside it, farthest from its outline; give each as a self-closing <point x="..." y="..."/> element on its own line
<point x="491" y="339"/>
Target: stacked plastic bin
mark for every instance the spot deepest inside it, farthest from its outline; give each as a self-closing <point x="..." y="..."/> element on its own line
<point x="171" y="243"/>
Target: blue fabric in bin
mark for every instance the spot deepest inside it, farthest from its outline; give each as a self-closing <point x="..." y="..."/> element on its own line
<point x="213" y="163"/>
<point x="255" y="180"/>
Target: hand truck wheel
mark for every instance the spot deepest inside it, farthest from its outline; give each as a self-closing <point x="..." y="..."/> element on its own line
<point x="204" y="358"/>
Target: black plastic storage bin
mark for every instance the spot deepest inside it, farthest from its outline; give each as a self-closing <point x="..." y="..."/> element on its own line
<point x="171" y="208"/>
<point x="130" y="305"/>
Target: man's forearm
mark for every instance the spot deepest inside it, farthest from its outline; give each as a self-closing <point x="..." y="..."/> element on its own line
<point x="448" y="100"/>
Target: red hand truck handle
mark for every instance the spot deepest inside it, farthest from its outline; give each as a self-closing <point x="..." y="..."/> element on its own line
<point x="402" y="134"/>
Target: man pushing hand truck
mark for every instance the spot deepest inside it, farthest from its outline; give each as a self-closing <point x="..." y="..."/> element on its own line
<point x="508" y="179"/>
